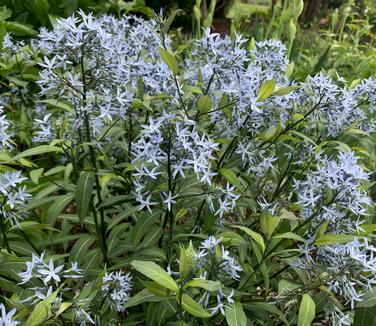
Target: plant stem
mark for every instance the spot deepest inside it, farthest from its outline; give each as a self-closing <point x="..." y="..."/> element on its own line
<point x="279" y="186"/>
<point x="170" y="212"/>
<point x="130" y="136"/>
<point x="101" y="228"/>
<point x="4" y="233"/>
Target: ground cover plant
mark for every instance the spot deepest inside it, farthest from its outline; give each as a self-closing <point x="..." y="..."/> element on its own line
<point x="143" y="184"/>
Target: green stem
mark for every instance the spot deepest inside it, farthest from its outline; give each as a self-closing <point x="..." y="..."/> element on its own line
<point x="102" y="227"/>
<point x="170" y="189"/>
<point x="4" y="233"/>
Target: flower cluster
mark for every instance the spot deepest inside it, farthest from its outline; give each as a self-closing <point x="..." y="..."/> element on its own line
<point x="109" y="70"/>
<point x="11" y="45"/>
<point x="116" y="289"/>
<point x="350" y="271"/>
<point x="96" y="65"/>
<point x="5" y="134"/>
<point x="173" y="148"/>
<point x="6" y="318"/>
<point x="270" y="56"/>
<point x="13" y="196"/>
<point x="337" y="109"/>
<point x="43" y="129"/>
<point x="333" y="192"/>
<point x="215" y="259"/>
<point x="48" y="275"/>
<point x="213" y="263"/>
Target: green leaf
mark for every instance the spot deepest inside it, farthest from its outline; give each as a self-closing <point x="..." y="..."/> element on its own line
<point x="365" y="316"/>
<point x="17" y="81"/>
<point x="55" y="170"/>
<point x="181" y="213"/>
<point x="287" y="286"/>
<point x="285" y="90"/>
<point x="268" y="224"/>
<point x="58" y="206"/>
<point x="263" y="267"/>
<point x="265" y="274"/>
<point x="192" y="307"/>
<point x="266" y="307"/>
<point x="4" y="157"/>
<point x="187" y="260"/>
<point x="114" y="238"/>
<point x="68" y="170"/>
<point x="20" y="29"/>
<point x="115" y="200"/>
<point x="204" y="284"/>
<point x="181" y="323"/>
<point x="81" y="248"/>
<point x="156" y="289"/>
<point x="266" y="90"/>
<point x="208" y="21"/>
<point x="289" y="235"/>
<point x="298" y="8"/>
<point x="63" y="306"/>
<point x="321" y="229"/>
<point x="204" y="103"/>
<point x="367" y="229"/>
<point x="368" y="299"/>
<point x="156" y="273"/>
<point x="143" y="296"/>
<point x="42" y="311"/>
<point x="169" y="20"/>
<point x="142" y="226"/>
<point x="232" y="239"/>
<point x="58" y="104"/>
<point x="37" y="151"/>
<point x="230" y="176"/>
<point x="5" y="13"/>
<point x="152" y="237"/>
<point x="235" y="315"/>
<point x="254" y="235"/>
<point x="306" y="311"/>
<point x="92" y="259"/>
<point x="35" y="175"/>
<point x="330" y="239"/>
<point x="85" y="185"/>
<point x="170" y="60"/>
<point x="321" y="63"/>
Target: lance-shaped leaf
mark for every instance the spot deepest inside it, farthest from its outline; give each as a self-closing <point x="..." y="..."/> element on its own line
<point x="42" y="311"/>
<point x="143" y="296"/>
<point x="306" y="311"/>
<point x="204" y="284"/>
<point x="170" y="60"/>
<point x="254" y="235"/>
<point x="192" y="307"/>
<point x="231" y="177"/>
<point x="84" y="191"/>
<point x="42" y="149"/>
<point x="330" y="239"/>
<point x="204" y="103"/>
<point x="155" y="273"/>
<point x="266" y="90"/>
<point x="235" y="315"/>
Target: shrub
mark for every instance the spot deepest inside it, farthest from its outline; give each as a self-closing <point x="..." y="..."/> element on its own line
<point x="192" y="187"/>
